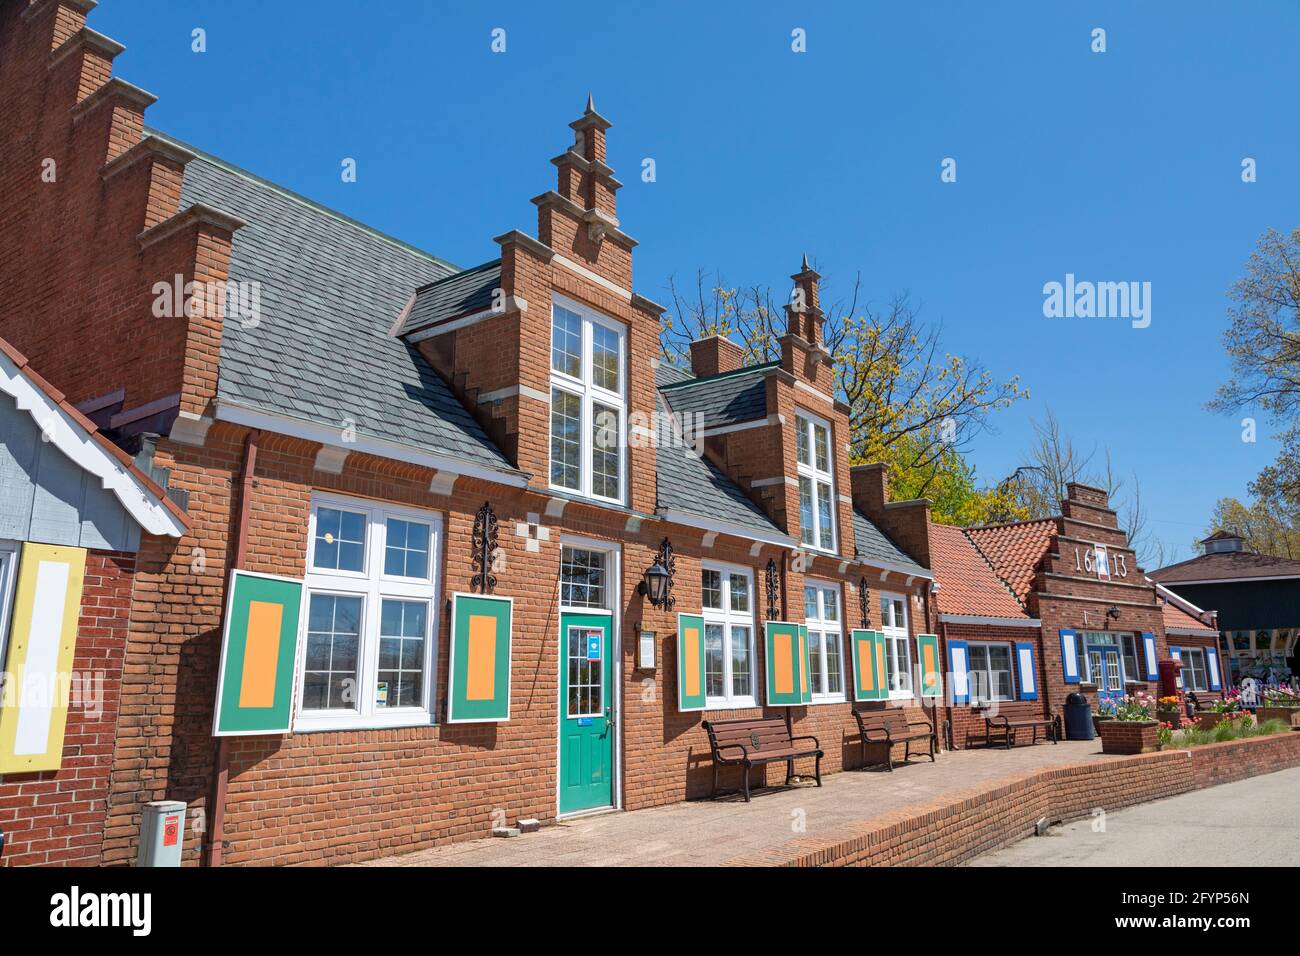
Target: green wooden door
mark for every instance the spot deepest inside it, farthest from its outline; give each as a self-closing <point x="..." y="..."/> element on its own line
<point x="586" y="712"/>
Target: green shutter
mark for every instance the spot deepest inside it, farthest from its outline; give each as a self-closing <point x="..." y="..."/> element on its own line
<point x="869" y="679"/>
<point x="929" y="666"/>
<point x="479" y="672"/>
<point x="258" y="652"/>
<point x="690" y="662"/>
<point x="786" y="658"/>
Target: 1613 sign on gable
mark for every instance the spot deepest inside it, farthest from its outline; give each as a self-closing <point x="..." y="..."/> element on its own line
<point x="1096" y="560"/>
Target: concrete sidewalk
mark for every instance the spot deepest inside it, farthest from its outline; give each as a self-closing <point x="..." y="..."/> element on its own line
<point x="709" y="833"/>
<point x="1244" y="822"/>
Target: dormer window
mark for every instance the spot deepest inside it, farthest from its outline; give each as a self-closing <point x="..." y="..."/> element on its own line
<point x="816" y="482"/>
<point x="588" y="410"/>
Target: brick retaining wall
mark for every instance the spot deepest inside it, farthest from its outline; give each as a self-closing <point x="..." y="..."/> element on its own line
<point x="961" y="827"/>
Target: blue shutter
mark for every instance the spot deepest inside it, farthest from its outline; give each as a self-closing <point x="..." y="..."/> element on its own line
<point x="959" y="671"/>
<point x="1149" y="645"/>
<point x="1212" y="668"/>
<point x="1025" y="669"/>
<point x="1069" y="656"/>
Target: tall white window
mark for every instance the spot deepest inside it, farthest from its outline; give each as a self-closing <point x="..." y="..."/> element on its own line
<point x="816" y="482"/>
<point x="898" y="653"/>
<point x="990" y="672"/>
<point x="588" y="449"/>
<point x="1128" y="646"/>
<point x="821" y="608"/>
<point x="371" y="614"/>
<point x="728" y="635"/>
<point x="1194" y="673"/>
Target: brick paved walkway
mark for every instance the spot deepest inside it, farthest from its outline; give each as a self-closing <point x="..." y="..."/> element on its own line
<point x="707" y="833"/>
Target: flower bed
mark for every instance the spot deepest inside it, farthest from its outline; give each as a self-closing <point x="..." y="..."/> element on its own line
<point x="1287" y="715"/>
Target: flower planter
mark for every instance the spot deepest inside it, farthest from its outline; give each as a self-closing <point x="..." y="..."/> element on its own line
<point x="1129" y="736"/>
<point x="1288" y="715"/>
<point x="1098" y="721"/>
<point x="1210" y="721"/>
<point x="1169" y="715"/>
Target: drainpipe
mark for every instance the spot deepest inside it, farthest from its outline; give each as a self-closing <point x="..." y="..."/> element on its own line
<point x="217" y="817"/>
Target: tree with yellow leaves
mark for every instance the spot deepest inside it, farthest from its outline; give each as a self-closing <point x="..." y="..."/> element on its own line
<point x="912" y="405"/>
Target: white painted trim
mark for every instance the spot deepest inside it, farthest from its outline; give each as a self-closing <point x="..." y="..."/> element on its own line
<point x="190" y="429"/>
<point x="990" y="621"/>
<point x="726" y="527"/>
<point x="327" y="435"/>
<point x="812" y="391"/>
<point x="740" y="427"/>
<point x="510" y="391"/>
<point x="68" y="435"/>
<point x="8" y="578"/>
<point x="1190" y="632"/>
<point x="513" y="304"/>
<point x="778" y="480"/>
<point x="331" y="460"/>
<point x="1242" y="580"/>
<point x="592" y="277"/>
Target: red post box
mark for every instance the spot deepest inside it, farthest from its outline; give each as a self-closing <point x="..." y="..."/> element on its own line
<point x="1169" y="671"/>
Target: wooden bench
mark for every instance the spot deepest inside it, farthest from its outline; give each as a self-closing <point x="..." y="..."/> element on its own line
<point x="889" y="727"/>
<point x="754" y="741"/>
<point x="1009" y="717"/>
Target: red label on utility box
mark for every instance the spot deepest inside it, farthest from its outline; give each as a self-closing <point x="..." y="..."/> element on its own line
<point x="171" y="830"/>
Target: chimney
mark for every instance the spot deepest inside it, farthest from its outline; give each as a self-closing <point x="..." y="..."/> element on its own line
<point x="906" y="522"/>
<point x="715" y="355"/>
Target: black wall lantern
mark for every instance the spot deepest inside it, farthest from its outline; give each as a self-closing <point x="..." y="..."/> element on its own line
<point x="657" y="582"/>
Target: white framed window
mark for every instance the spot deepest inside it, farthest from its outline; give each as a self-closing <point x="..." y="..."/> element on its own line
<point x="588" y="411"/>
<point x="1093" y="651"/>
<point x="728" y="611"/>
<point x="813" y="453"/>
<point x="821" y="608"/>
<point x="1129" y="655"/>
<point x="990" y="672"/>
<point x="370" y="612"/>
<point x="1194" y="673"/>
<point x="584" y="581"/>
<point x="898" y="647"/>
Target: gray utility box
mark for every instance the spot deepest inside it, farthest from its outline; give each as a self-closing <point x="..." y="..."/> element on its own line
<point x="162" y="833"/>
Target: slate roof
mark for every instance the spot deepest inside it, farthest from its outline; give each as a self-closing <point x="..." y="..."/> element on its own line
<point x="726" y="399"/>
<point x="1015" y="550"/>
<point x="968" y="584"/>
<point x="875" y="547"/>
<point x="694" y="485"/>
<point x="330" y="291"/>
<point x="1226" y="565"/>
<point x="459" y="294"/>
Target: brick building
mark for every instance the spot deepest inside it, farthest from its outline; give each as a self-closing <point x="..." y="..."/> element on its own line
<point x="73" y="510"/>
<point x="389" y="439"/>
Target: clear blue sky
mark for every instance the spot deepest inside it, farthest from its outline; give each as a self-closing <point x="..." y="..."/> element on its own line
<point x="1117" y="166"/>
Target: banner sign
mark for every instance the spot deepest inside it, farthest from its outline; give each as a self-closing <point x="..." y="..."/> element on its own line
<point x="43" y="638"/>
<point x="258" y="650"/>
<point x="479" y="672"/>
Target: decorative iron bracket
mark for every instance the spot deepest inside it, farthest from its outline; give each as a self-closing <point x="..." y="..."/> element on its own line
<point x="773" y="590"/>
<point x="864" y="599"/>
<point x="484" y="546"/>
<point x="668" y="562"/>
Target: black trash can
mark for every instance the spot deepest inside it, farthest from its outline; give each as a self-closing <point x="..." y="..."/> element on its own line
<point x="1078" y="718"/>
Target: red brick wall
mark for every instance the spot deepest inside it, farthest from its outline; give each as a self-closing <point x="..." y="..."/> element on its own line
<point x="70" y="252"/>
<point x="336" y="796"/>
<point x="56" y="818"/>
<point x="968" y="725"/>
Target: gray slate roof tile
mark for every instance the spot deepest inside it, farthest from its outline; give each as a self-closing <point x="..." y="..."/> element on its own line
<point x="726" y="399"/>
<point x="874" y="545"/>
<point x="459" y="294"/>
<point x="330" y="289"/>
